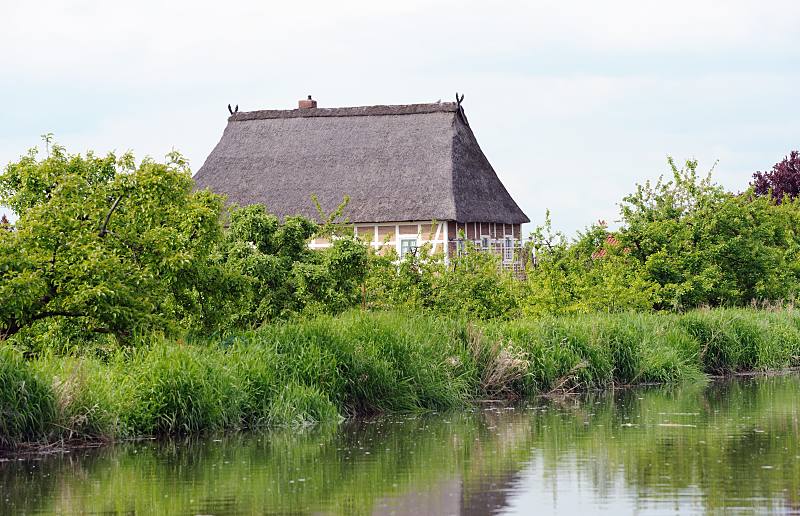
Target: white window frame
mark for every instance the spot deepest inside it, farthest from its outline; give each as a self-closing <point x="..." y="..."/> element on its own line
<point x="508" y="249"/>
<point x="461" y="247"/>
<point x="411" y="248"/>
<point x="488" y="240"/>
<point x="439" y="236"/>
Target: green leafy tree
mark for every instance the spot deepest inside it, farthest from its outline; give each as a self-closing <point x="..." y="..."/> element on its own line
<point x="109" y="245"/>
<point x="684" y="242"/>
<point x="406" y="283"/>
<point x="283" y="275"/>
<point x="592" y="273"/>
<point x="703" y="245"/>
<point x="476" y="284"/>
<point x="332" y="280"/>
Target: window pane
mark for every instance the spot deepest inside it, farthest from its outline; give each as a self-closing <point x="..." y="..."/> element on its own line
<point x="407" y="245"/>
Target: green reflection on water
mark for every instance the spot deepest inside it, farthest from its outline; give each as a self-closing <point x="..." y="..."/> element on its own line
<point x="729" y="444"/>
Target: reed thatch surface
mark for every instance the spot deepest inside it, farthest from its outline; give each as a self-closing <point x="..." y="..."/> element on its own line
<point x="396" y="163"/>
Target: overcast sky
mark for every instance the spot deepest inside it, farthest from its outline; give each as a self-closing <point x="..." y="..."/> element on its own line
<point x="572" y="102"/>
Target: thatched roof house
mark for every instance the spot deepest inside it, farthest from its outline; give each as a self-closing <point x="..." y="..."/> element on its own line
<point x="415" y="163"/>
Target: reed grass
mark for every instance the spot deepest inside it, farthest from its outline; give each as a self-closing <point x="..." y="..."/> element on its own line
<point x="317" y="370"/>
<point x="27" y="407"/>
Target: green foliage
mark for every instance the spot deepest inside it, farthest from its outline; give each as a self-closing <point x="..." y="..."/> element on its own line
<point x="594" y="273"/>
<point x="331" y="281"/>
<point x="26" y="402"/>
<point x="169" y="389"/>
<point x="301" y="405"/>
<point x="104" y="246"/>
<point x="406" y="283"/>
<point x="283" y="276"/>
<point x="298" y="373"/>
<point x="258" y="248"/>
<point x="85" y="396"/>
<point x="113" y="246"/>
<point x="704" y="246"/>
<point x="477" y="285"/>
<point x="472" y="283"/>
<point x="732" y="341"/>
<point x="683" y="243"/>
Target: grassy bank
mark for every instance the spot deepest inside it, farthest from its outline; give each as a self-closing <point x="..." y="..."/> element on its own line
<point x="318" y="370"/>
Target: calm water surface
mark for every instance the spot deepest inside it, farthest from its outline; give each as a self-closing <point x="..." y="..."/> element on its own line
<point x="729" y="447"/>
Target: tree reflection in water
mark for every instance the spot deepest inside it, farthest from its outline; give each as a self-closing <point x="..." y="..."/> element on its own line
<point x="690" y="448"/>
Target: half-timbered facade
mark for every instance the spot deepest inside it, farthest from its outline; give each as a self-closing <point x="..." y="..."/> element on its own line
<point x="414" y="174"/>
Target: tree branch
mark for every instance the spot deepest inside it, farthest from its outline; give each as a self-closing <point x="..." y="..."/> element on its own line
<point x="12" y="328"/>
<point x="103" y="229"/>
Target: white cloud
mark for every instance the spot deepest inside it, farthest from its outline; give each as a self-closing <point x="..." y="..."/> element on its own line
<point x="115" y="40"/>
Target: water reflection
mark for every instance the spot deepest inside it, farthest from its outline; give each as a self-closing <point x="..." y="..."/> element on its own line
<point x="720" y="447"/>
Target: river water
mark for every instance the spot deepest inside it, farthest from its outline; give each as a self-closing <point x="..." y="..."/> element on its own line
<point x="726" y="447"/>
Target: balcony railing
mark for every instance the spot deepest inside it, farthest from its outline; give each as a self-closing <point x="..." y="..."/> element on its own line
<point x="514" y="258"/>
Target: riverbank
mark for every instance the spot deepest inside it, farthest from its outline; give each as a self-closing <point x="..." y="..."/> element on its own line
<point x="317" y="371"/>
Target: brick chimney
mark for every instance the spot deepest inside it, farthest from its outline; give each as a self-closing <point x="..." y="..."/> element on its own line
<point x="307" y="103"/>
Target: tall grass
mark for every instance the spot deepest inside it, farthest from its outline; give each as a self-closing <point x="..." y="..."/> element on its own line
<point x="310" y="371"/>
<point x="26" y="402"/>
<point x="84" y="392"/>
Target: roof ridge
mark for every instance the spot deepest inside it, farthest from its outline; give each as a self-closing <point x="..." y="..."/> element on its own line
<point x="451" y="192"/>
<point x="380" y="110"/>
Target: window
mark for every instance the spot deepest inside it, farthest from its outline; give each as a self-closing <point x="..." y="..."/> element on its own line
<point x="485" y="241"/>
<point x="460" y="247"/>
<point x="508" y="249"/>
<point x="407" y="245"/>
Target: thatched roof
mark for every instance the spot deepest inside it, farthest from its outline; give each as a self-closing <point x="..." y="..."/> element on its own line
<point x="396" y="163"/>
